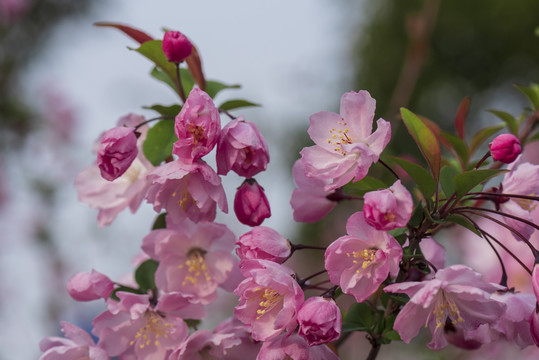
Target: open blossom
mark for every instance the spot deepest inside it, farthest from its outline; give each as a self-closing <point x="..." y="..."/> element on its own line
<point x="135" y="327"/>
<point x="263" y="243"/>
<point x="242" y="149"/>
<point x="294" y="347"/>
<point x="251" y="205"/>
<point x="310" y="201"/>
<point x="186" y="191"/>
<point x="198" y="126"/>
<point x="128" y="190"/>
<point x="77" y="344"/>
<point x="389" y="208"/>
<point x="193" y="258"/>
<point x="89" y="286"/>
<point x="456" y="294"/>
<point x="522" y="179"/>
<point x="505" y="148"/>
<point x="116" y="152"/>
<point x="176" y="46"/>
<point x="345" y="147"/>
<point x="320" y="320"/>
<point x="269" y="299"/>
<point x="360" y="261"/>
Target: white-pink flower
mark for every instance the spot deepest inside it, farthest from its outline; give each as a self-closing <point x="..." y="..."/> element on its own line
<point x="263" y="243"/>
<point x="388" y="209"/>
<point x="294" y="347"/>
<point x="456" y="295"/>
<point x="186" y="191"/>
<point x="194" y="258"/>
<point x="345" y="147"/>
<point x="360" y="261"/>
<point x="269" y="299"/>
<point x="85" y="286"/>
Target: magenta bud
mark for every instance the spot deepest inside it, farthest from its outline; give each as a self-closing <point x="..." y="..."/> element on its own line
<point x="250" y="203"/>
<point x="176" y="46"/>
<point x="320" y="320"/>
<point x="505" y="148"/>
<point x="89" y="286"/>
<point x="116" y="152"/>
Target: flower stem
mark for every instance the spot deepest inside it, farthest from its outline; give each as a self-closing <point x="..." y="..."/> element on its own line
<point x="179" y="83"/>
<point x="389" y="168"/>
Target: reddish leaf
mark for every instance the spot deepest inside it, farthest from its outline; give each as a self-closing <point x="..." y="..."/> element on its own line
<point x="139" y="36"/>
<point x="436" y="130"/>
<point x="195" y="68"/>
<point x="460" y="117"/>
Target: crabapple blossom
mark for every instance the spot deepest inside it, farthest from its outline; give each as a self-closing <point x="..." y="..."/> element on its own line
<point x="263" y="243"/>
<point x="194" y="258"/>
<point x="534" y="325"/>
<point x="77" y="344"/>
<point x="186" y="191"/>
<point x="294" y="347"/>
<point x="310" y="201"/>
<point x="269" y="299"/>
<point x="360" y="261"/>
<point x="505" y="148"/>
<point x="176" y="46"/>
<point x="320" y="320"/>
<point x="242" y="149"/>
<point x="251" y="205"/>
<point x="89" y="286"/>
<point x="456" y="294"/>
<point x="389" y="208"/>
<point x="116" y="152"/>
<point x="345" y="147"/>
<point x="197" y="127"/>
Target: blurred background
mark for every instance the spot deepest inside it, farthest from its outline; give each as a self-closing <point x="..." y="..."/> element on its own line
<point x="63" y="82"/>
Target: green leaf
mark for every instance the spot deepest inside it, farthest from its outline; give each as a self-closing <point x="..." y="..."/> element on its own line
<point x="446" y="180"/>
<point x="160" y="222"/>
<point x="483" y="135"/>
<point x="532" y="93"/>
<point x="160" y="75"/>
<point x="359" y="188"/>
<point x="145" y="275"/>
<point x="153" y="50"/>
<point x="468" y="180"/>
<point x="114" y="296"/>
<point x="358" y="318"/>
<point x="187" y="81"/>
<point x="421" y="177"/>
<point x="214" y="87"/>
<point x="425" y="139"/>
<point x="462" y="221"/>
<point x="171" y="110"/>
<point x="236" y="104"/>
<point x="509" y="119"/>
<point x="392" y="335"/>
<point x="417" y="215"/>
<point x="158" y="144"/>
<point x="459" y="146"/>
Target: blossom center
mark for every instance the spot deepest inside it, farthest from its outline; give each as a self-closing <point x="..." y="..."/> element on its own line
<point x="364" y="257"/>
<point x="197" y="269"/>
<point x="269" y="298"/>
<point x="446" y="308"/>
<point x="197" y="132"/>
<point x="185" y="200"/>
<point x="132" y="173"/>
<point x="389" y="217"/>
<point x="154" y="328"/>
<point x="338" y="136"/>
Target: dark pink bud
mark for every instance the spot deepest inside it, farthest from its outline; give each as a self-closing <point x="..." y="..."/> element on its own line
<point x="320" y="320"/>
<point x="250" y="203"/>
<point x="89" y="286"/>
<point x="116" y="152"/>
<point x="176" y="46"/>
<point x="505" y="148"/>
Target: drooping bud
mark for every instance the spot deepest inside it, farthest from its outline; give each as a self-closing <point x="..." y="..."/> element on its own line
<point x="320" y="320"/>
<point x="505" y="148"/>
<point x="251" y="204"/>
<point x="263" y="243"/>
<point x="176" y="46"/>
<point x="89" y="286"/>
<point x="389" y="208"/>
<point x="116" y="152"/>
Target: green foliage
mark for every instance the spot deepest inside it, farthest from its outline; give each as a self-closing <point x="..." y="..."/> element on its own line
<point x="421" y="177"/>
<point x="114" y="294"/>
<point x="358" y="318"/>
<point x="214" y="87"/>
<point x="145" y="275"/>
<point x="158" y="144"/>
<point x="160" y="222"/>
<point x="153" y="50"/>
<point x="171" y="110"/>
<point x="467" y="180"/>
<point x="236" y="104"/>
<point x="462" y="221"/>
<point x="460" y="147"/>
<point x="509" y="120"/>
<point x="446" y="180"/>
<point x="359" y="188"/>
<point x="483" y="135"/>
<point x="532" y="93"/>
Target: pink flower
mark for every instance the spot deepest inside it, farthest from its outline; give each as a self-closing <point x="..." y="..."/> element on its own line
<point x="117" y="150"/>
<point x="505" y="148"/>
<point x="133" y="327"/>
<point x="78" y="344"/>
<point x="198" y="126"/>
<point x="310" y="201"/>
<point x="251" y="204"/>
<point x="89" y="286"/>
<point x="534" y="325"/>
<point x="389" y="208"/>
<point x="360" y="261"/>
<point x="241" y="149"/>
<point x="345" y="147"/>
<point x="522" y="179"/>
<point x="263" y="243"/>
<point x="110" y="198"/>
<point x="456" y="294"/>
<point x="186" y="191"/>
<point x="194" y="259"/>
<point x="269" y="299"/>
<point x="294" y="347"/>
<point x="176" y="46"/>
<point x="320" y="320"/>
